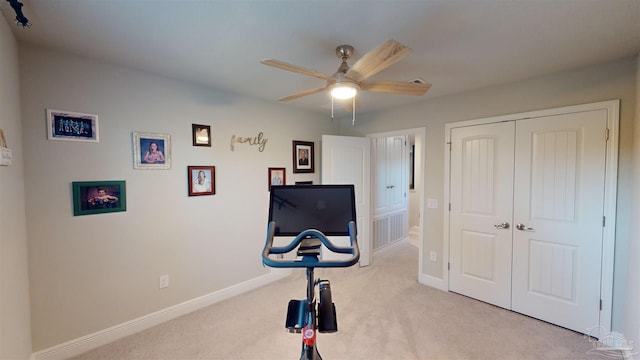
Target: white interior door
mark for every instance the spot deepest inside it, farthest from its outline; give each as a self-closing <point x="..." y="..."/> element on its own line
<point x="559" y="202"/>
<point x="481" y="195"/>
<point x="347" y="160"/>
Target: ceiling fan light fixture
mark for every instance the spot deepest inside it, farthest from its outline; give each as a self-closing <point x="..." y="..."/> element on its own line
<point x="344" y="90"/>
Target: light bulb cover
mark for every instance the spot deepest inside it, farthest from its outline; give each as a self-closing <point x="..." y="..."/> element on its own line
<point x="344" y="90"/>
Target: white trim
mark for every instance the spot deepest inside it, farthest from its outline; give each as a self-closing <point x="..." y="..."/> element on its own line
<point x="610" y="199"/>
<point x="610" y="192"/>
<point x="88" y="342"/>
<point x="433" y="282"/>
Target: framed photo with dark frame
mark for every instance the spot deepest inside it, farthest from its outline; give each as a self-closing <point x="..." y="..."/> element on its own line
<point x="97" y="197"/>
<point x="201" y="135"/>
<point x="72" y="126"/>
<point x="151" y="151"/>
<point x="277" y="176"/>
<point x="303" y="156"/>
<point x="202" y="180"/>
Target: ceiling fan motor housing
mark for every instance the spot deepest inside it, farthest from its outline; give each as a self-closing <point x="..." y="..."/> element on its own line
<point x="344" y="52"/>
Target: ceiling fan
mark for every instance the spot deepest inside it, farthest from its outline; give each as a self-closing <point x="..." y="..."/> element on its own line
<point x="348" y="81"/>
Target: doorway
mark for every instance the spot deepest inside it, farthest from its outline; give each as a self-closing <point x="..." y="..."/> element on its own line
<point x="397" y="163"/>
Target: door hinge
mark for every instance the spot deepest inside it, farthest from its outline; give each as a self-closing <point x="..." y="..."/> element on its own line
<point x="449" y="143"/>
<point x="448" y="266"/>
<point x="604" y="221"/>
<point x="606" y="135"/>
<point x="600" y="304"/>
<point x="449" y="206"/>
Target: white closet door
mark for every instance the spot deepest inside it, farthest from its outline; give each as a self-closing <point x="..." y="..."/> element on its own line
<point x="558" y="200"/>
<point x="481" y="195"/>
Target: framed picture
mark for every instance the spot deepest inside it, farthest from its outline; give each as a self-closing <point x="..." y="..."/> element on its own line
<point x="202" y="180"/>
<point x="97" y="197"/>
<point x="71" y="126"/>
<point x="201" y="135"/>
<point x="302" y="156"/>
<point x="151" y="151"/>
<point x="277" y="176"/>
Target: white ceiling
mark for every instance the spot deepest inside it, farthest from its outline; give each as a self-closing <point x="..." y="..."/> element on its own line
<point x="458" y="45"/>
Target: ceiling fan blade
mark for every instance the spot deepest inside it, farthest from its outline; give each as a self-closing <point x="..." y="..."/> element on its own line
<point x="304" y="93"/>
<point x="395" y="87"/>
<point x="377" y="60"/>
<point x="294" y="68"/>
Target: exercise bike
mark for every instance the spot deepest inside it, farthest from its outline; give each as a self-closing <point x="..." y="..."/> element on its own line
<point x="325" y="206"/>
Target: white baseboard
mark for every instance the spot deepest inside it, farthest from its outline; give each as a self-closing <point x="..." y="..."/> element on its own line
<point x="435" y="282"/>
<point x="83" y="344"/>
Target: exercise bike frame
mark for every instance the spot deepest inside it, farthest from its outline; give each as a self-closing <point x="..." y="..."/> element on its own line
<point x="310" y="261"/>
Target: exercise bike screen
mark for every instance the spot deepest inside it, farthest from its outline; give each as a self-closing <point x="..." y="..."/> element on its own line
<point x="327" y="208"/>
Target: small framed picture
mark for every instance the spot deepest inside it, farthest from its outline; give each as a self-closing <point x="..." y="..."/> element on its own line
<point x="202" y="180"/>
<point x="71" y="126"/>
<point x="151" y="151"/>
<point x="201" y="135"/>
<point x="277" y="176"/>
<point x="97" y="197"/>
<point x="302" y="157"/>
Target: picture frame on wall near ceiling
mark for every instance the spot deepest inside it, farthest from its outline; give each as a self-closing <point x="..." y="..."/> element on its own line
<point x="303" y="156"/>
<point x="277" y="176"/>
<point x="72" y="126"/>
<point x="201" y="135"/>
<point x="202" y="180"/>
<point x="97" y="197"/>
<point x="151" y="151"/>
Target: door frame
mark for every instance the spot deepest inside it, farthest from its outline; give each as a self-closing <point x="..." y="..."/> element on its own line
<point x="610" y="192"/>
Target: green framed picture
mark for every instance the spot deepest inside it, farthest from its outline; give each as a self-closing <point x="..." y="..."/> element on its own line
<point x="97" y="197"/>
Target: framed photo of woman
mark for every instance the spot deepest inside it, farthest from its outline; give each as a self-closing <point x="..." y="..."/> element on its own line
<point x="151" y="151"/>
<point x="202" y="180"/>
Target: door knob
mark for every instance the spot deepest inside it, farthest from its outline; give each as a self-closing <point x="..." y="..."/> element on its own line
<point x="504" y="225"/>
<point x="523" y="227"/>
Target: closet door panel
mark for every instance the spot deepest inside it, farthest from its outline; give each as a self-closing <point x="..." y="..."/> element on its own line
<point x="481" y="194"/>
<point x="559" y="202"/>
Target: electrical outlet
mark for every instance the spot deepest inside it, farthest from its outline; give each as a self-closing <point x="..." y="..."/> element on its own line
<point x="433" y="256"/>
<point x="163" y="282"/>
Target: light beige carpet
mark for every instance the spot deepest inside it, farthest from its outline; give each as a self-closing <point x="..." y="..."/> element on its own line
<point x="383" y="313"/>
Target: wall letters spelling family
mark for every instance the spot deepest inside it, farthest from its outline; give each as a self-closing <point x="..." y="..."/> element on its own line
<point x="258" y="140"/>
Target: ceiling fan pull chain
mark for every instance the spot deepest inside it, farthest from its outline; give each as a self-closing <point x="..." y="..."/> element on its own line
<point x="353" y="107"/>
<point x="332" y="109"/>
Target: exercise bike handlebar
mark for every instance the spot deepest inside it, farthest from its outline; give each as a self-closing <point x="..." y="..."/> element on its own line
<point x="310" y="261"/>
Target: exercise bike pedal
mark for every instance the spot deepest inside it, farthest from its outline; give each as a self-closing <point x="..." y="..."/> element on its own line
<point x="295" y="316"/>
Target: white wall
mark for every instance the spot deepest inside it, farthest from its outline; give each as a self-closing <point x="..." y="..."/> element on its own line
<point x="15" y="331"/>
<point x="614" y="80"/>
<point x="92" y="272"/>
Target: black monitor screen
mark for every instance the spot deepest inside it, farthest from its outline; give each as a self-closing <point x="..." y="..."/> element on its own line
<point x="327" y="208"/>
